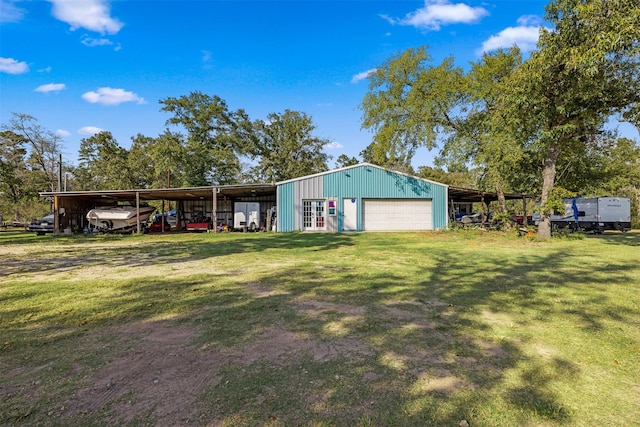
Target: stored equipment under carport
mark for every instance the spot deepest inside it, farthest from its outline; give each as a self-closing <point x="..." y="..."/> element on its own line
<point x="246" y="216"/>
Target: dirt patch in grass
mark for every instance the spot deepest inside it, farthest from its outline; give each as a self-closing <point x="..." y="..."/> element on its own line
<point x="162" y="376"/>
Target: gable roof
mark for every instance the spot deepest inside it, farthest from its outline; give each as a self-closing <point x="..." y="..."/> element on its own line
<point x="359" y="165"/>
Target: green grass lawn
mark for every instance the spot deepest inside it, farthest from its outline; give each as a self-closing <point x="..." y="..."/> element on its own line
<point x="367" y="329"/>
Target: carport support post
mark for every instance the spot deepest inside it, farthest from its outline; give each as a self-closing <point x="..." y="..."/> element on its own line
<point x="524" y="209"/>
<point x="56" y="217"/>
<point x="214" y="209"/>
<point x="138" y="211"/>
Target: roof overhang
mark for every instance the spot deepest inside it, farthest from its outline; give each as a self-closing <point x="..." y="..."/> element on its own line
<point x="188" y="193"/>
<point x="476" y="196"/>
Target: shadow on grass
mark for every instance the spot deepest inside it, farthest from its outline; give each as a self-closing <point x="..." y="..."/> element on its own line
<point x="406" y="345"/>
<point x="631" y="238"/>
<point x="139" y="251"/>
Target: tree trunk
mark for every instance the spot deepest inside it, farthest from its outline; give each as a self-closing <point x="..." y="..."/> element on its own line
<point x="548" y="180"/>
<point x="637" y="195"/>
<point x="502" y="202"/>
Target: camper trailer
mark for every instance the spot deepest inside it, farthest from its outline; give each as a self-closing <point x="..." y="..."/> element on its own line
<point x="595" y="214"/>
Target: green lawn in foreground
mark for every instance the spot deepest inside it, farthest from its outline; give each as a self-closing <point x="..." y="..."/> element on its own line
<point x="369" y="329"/>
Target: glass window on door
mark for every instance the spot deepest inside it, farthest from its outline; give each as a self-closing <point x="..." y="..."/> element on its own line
<point x="313" y="214"/>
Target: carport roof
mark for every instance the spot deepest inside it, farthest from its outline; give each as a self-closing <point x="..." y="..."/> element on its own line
<point x="456" y="194"/>
<point x="189" y="193"/>
<point x="475" y="196"/>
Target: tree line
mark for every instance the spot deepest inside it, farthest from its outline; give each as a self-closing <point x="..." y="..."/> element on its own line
<point x="204" y="143"/>
<point x="505" y="124"/>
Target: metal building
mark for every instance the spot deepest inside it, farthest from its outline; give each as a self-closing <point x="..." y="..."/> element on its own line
<point x="362" y="197"/>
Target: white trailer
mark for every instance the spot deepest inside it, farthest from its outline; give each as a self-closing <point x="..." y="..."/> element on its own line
<point x="246" y="215"/>
<point x="595" y="214"/>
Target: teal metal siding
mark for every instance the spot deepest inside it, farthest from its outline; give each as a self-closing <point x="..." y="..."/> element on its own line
<point x="368" y="182"/>
<point x="439" y="207"/>
<point x="286" y="207"/>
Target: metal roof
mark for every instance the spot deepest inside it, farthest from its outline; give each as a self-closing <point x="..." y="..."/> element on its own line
<point x="458" y="194"/>
<point x="188" y="193"/>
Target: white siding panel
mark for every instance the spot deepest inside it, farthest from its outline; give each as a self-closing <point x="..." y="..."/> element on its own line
<point x="397" y="214"/>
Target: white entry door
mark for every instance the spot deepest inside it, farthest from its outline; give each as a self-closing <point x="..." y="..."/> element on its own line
<point x="313" y="215"/>
<point x="349" y="214"/>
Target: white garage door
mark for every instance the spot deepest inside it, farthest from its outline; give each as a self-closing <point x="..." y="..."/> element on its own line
<point x="397" y="214"/>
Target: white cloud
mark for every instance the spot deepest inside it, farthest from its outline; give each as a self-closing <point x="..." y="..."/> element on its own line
<point x="89" y="130"/>
<point x="12" y="66"/>
<point x="10" y="12"/>
<point x="363" y="75"/>
<point x="111" y="96"/>
<point x="525" y="37"/>
<point x="93" y="15"/>
<point x="51" y="87"/>
<point x="530" y="21"/>
<point x="63" y="133"/>
<point x="91" y="42"/>
<point x="436" y="13"/>
<point x="333" y="145"/>
<point x="45" y="70"/>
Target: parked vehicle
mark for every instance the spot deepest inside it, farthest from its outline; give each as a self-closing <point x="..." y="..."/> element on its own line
<point x="43" y="225"/>
<point x="118" y="219"/>
<point x="170" y="218"/>
<point x="595" y="214"/>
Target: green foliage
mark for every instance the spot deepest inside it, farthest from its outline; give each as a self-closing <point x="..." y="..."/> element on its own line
<point x="103" y="164"/>
<point x="43" y="150"/>
<point x="554" y="204"/>
<point x="586" y="69"/>
<point x="343" y="161"/>
<point x="215" y="137"/>
<point x="465" y="179"/>
<point x="411" y="104"/>
<point x="286" y="147"/>
<point x="29" y="163"/>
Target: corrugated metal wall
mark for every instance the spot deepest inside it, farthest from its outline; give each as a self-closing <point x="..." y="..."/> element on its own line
<point x="285" y="219"/>
<point x="369" y="182"/>
<point x="359" y="182"/>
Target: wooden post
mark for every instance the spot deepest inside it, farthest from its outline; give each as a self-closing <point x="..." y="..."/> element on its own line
<point x="138" y="211"/>
<point x="162" y="216"/>
<point x="525" y="222"/>
<point x="56" y="216"/>
<point x="214" y="209"/>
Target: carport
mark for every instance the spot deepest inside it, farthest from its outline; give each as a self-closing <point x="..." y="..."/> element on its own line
<point x="216" y="202"/>
<point x="460" y="200"/>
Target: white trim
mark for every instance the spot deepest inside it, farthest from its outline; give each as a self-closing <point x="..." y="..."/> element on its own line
<point x="356" y="166"/>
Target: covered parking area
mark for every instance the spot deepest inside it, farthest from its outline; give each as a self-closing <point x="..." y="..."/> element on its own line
<point x="213" y="203"/>
<point x="461" y="201"/>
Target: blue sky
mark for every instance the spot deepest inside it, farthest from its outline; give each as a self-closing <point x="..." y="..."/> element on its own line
<point x="81" y="66"/>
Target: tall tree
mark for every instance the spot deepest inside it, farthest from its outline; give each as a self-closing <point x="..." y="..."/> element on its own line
<point x="412" y="103"/>
<point x="409" y="105"/>
<point x="343" y="161"/>
<point x="586" y="69"/>
<point x="19" y="184"/>
<point x="158" y="162"/>
<point x="286" y="147"/>
<point x="215" y="137"/>
<point x="12" y="166"/>
<point x="103" y="164"/>
<point x="43" y="147"/>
